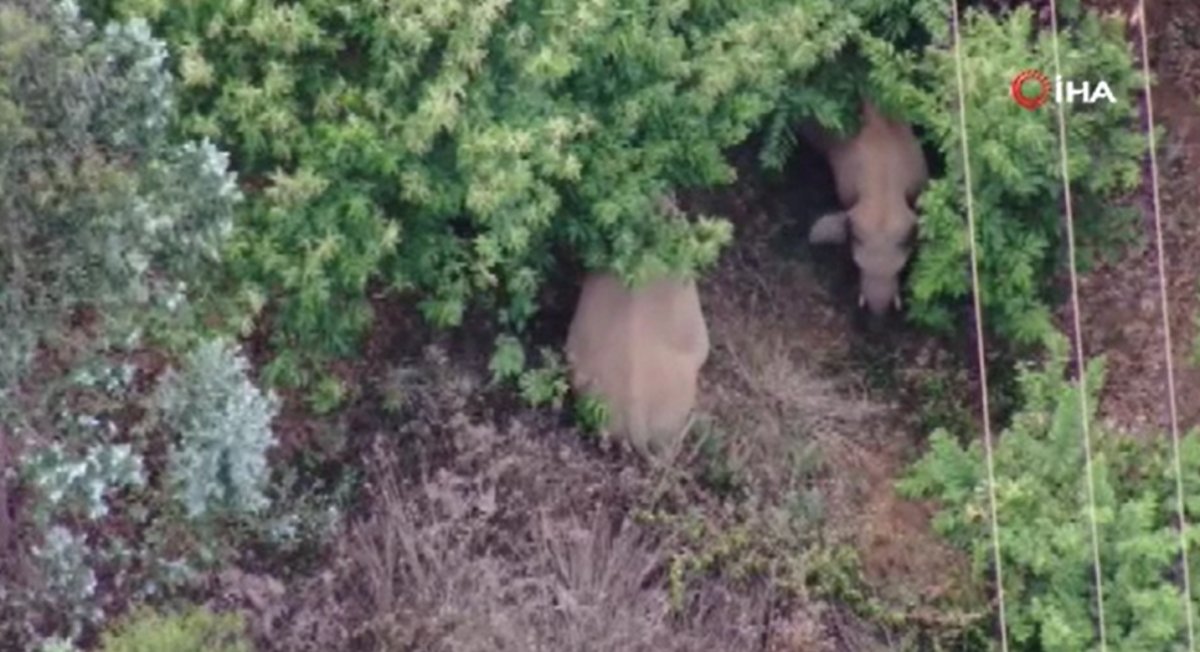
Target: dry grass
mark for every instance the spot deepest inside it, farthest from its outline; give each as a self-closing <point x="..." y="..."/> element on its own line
<point x="763" y="386"/>
<point x="450" y="567"/>
<point x="436" y="577"/>
<point x="521" y="542"/>
<point x="774" y="329"/>
<point x="796" y="418"/>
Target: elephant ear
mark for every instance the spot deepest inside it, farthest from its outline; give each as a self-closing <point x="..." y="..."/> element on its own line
<point x="829" y="229"/>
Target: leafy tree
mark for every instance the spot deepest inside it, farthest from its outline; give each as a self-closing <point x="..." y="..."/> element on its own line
<point x="455" y="148"/>
<point x="1044" y="521"/>
<point x="460" y="150"/>
<point x="1016" y="168"/>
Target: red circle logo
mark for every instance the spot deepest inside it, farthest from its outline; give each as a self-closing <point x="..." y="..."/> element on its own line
<point x="1018" y="89"/>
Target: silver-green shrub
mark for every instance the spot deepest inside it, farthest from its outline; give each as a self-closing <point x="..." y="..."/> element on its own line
<point x="223" y="423"/>
<point x="69" y="579"/>
<point x="106" y="224"/>
<point x="65" y="479"/>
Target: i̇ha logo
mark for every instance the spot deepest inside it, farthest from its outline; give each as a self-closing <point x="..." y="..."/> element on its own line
<point x="1086" y="92"/>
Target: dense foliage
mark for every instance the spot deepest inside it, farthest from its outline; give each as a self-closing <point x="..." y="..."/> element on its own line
<point x="461" y="150"/>
<point x="1016" y="169"/>
<point x="456" y="148"/>
<point x="100" y="210"/>
<point x="1044" y="519"/>
<point x="1015" y="156"/>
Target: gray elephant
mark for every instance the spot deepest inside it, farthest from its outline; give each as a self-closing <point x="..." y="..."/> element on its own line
<point x="879" y="172"/>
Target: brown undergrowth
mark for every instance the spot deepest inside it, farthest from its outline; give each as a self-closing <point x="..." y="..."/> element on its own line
<point x="521" y="538"/>
<point x="786" y="372"/>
